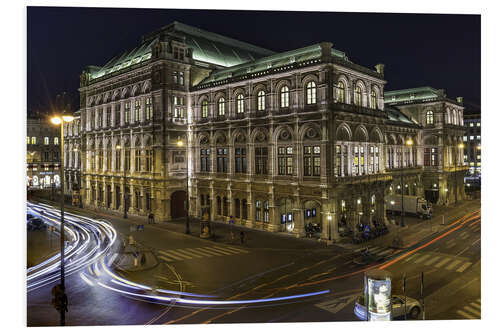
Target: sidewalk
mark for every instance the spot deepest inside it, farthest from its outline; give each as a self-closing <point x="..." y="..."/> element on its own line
<point x="416" y="229"/>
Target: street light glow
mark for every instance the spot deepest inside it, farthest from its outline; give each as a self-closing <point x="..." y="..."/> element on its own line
<point x="68" y="118"/>
<point x="56" y="120"/>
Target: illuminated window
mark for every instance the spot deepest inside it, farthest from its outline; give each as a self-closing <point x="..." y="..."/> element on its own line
<point x="465" y="138"/>
<point x="149" y="109"/>
<point x="478" y="157"/>
<point x="33" y="140"/>
<point x="471" y="124"/>
<point x="341" y="92"/>
<point x="240" y="104"/>
<point x="471" y="137"/>
<point x="284" y="97"/>
<point x="429" y="118"/>
<point x="261" y="101"/>
<point x="285" y="160"/>
<point x="181" y="78"/>
<point x="357" y="96"/>
<point x="56" y="140"/>
<point x="374" y="100"/>
<point x="127" y="112"/>
<point x="258" y="210"/>
<point x="221" y="107"/>
<point x="478" y="138"/>
<point x="204" y="109"/>
<point x="174" y="77"/>
<point x="137" y="110"/>
<point x="312" y="160"/>
<point x="311" y="93"/>
<point x="478" y="124"/>
<point x="46" y="140"/>
<point x="28" y="142"/>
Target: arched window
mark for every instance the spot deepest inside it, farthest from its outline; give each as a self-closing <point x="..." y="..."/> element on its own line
<point x="284" y="97"/>
<point x="341" y="92"/>
<point x="204" y="109"/>
<point x="357" y="96"/>
<point x="261" y="101"/>
<point x="240" y="104"/>
<point x="374" y="100"/>
<point x="429" y="118"/>
<point x="221" y="107"/>
<point x="311" y="93"/>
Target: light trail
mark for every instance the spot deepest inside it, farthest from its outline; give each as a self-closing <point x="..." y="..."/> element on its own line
<point x="90" y="242"/>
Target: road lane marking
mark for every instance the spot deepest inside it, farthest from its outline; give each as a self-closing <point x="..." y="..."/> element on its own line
<point x="471" y="310"/>
<point x="227" y="250"/>
<point x="477" y="306"/>
<point x="422" y="258"/>
<point x="442" y="262"/>
<point x="430" y="262"/>
<point x="465" y="236"/>
<point x="464" y="267"/>
<point x="466" y="315"/>
<point x="185" y="251"/>
<point x="453" y="264"/>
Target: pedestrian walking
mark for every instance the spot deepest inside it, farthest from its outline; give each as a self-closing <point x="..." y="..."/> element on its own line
<point x="242" y="237"/>
<point x="151" y="218"/>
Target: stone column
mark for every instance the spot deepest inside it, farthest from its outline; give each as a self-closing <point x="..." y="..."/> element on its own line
<point x="298" y="217"/>
<point x="250" y="222"/>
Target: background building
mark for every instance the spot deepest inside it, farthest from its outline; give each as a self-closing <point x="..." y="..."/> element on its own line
<point x="42" y="152"/>
<point x="276" y="140"/>
<point x="472" y="139"/>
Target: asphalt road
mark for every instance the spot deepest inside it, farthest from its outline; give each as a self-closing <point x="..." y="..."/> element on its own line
<point x="450" y="261"/>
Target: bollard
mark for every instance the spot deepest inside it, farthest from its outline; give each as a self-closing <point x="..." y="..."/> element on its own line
<point x="130" y="240"/>
<point x="442" y="221"/>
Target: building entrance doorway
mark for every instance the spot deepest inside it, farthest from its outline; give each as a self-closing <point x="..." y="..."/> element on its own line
<point x="177" y="204"/>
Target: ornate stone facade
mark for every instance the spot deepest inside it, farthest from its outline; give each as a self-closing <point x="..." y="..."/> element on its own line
<point x="277" y="141"/>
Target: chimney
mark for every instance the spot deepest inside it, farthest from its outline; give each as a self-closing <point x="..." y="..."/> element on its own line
<point x="326" y="49"/>
<point x="460" y="99"/>
<point x="380" y="69"/>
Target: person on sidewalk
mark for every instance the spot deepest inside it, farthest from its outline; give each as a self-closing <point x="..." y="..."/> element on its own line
<point x="242" y="237"/>
<point x="151" y="218"/>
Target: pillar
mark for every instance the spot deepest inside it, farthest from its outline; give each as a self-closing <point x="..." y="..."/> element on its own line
<point x="298" y="218"/>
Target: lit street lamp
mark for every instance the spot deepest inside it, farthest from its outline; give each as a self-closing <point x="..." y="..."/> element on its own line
<point x="125" y="198"/>
<point x="460" y="146"/>
<point x="409" y="143"/>
<point x="180" y="143"/>
<point x="60" y="120"/>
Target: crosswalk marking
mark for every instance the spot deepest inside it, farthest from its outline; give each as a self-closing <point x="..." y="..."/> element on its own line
<point x="477" y="306"/>
<point x="166" y="259"/>
<point x="198" y="253"/>
<point x="464" y="267"/>
<point x="442" y="262"/>
<point x="337" y="304"/>
<point x="171" y="255"/>
<point x="453" y="264"/>
<point x="466" y="315"/>
<point x="433" y="260"/>
<point x="465" y="236"/>
<point x="226" y="249"/>
<point x="204" y="252"/>
<point x="422" y="258"/>
<point x="385" y="252"/>
<point x="412" y="257"/>
<point x="220" y="251"/>
<point x="450" y="245"/>
<point x="189" y="253"/>
<point x="237" y="249"/>
<point x="471" y="310"/>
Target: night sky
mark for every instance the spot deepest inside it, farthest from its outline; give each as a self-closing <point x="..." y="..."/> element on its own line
<point x="441" y="51"/>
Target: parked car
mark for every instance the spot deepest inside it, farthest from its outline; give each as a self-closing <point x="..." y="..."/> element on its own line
<point x="36" y="224"/>
<point x="413" y="307"/>
<point x="29" y="217"/>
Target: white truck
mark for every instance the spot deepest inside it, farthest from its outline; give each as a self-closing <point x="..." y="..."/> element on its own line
<point x="412" y="205"/>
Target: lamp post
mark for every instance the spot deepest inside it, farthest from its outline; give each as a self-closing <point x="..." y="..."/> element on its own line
<point x="180" y="143"/>
<point x="118" y="147"/>
<point x="408" y="143"/>
<point x="60" y="120"/>
<point x="460" y="146"/>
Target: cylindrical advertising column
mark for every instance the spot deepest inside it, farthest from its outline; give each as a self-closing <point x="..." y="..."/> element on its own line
<point x="378" y="295"/>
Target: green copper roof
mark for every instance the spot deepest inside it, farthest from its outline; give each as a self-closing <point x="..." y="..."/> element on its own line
<point x="395" y="115"/>
<point x="207" y="47"/>
<point x="268" y="63"/>
<point x="409" y="95"/>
